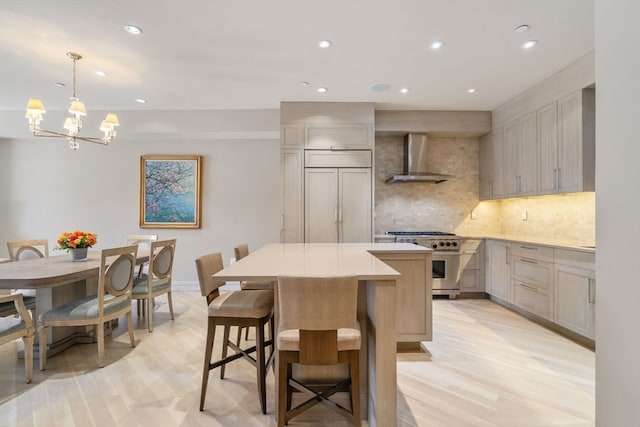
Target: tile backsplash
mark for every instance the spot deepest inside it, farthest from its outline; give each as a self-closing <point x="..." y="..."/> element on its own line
<point x="448" y="206"/>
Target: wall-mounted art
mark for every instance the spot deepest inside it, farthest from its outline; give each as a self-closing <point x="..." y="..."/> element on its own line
<point x="170" y="191"/>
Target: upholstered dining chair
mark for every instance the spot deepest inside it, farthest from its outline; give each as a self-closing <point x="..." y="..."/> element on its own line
<point x="113" y="299"/>
<point x="12" y="328"/>
<point x="158" y="281"/>
<point x="241" y="251"/>
<point x="21" y="250"/>
<point x="144" y="243"/>
<point x="234" y="308"/>
<point x="317" y="325"/>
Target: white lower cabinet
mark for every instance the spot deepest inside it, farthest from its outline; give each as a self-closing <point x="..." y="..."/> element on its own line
<point x="471" y="266"/>
<point x="532" y="279"/>
<point x="498" y="271"/>
<point x="575" y="292"/>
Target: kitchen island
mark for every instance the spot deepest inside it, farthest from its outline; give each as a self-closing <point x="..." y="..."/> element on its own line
<point x="376" y="304"/>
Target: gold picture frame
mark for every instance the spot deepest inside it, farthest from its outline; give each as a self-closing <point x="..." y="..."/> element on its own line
<point x="170" y="191"/>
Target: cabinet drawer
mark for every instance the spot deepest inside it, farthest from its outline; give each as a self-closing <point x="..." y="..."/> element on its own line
<point x="537" y="273"/>
<point x="576" y="259"/>
<point x="339" y="137"/>
<point x="337" y="159"/>
<point x="540" y="253"/>
<point x="526" y="296"/>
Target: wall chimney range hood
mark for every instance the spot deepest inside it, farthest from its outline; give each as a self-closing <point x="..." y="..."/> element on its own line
<point x="415" y="162"/>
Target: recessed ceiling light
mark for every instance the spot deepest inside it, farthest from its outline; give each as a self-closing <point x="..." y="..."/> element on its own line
<point x="304" y="83"/>
<point x="133" y="29"/>
<point x="60" y="84"/>
<point x="521" y="28"/>
<point x="379" y="87"/>
<point x="323" y="44"/>
<point x="472" y="90"/>
<point x="141" y="101"/>
<point x="101" y="73"/>
<point x="437" y="44"/>
<point x="405" y="90"/>
<point x="322" y="89"/>
<point x="529" y="44"/>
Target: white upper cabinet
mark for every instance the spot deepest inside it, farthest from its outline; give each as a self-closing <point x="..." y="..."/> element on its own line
<point x="521" y="165"/>
<point x="339" y="137"/>
<point x="566" y="144"/>
<point x="491" y="168"/>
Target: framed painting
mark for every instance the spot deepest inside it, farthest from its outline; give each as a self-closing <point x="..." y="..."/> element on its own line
<point x="170" y="191"/>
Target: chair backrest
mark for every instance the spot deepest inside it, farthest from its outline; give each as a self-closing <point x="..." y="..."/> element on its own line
<point x="12" y="327"/>
<point x="142" y="240"/>
<point x="115" y="281"/>
<point x="317" y="303"/>
<point x="161" y="259"/>
<point x="21" y="250"/>
<point x="207" y="266"/>
<point x="241" y="251"/>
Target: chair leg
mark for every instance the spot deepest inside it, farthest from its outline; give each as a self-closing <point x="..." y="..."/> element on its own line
<point x="28" y="356"/>
<point x="354" y="357"/>
<point x="246" y="333"/>
<point x="130" y="327"/>
<point x="211" y="333"/>
<point x="100" y="336"/>
<point x="149" y="315"/>
<point x="138" y="307"/>
<point x="239" y="337"/>
<point x="261" y="368"/>
<point x="170" y="304"/>
<point x="225" y="346"/>
<point x="281" y="388"/>
<point x="43" y="330"/>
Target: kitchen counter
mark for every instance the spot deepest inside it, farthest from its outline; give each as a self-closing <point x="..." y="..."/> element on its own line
<point x="588" y="247"/>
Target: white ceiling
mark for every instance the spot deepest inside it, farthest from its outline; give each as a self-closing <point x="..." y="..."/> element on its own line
<point x="253" y="54"/>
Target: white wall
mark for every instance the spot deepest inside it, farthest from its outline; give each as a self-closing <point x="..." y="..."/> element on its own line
<point x="47" y="188"/>
<point x="617" y="213"/>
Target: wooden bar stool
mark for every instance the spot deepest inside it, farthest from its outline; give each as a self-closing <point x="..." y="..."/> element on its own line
<point x="317" y="325"/>
<point x="235" y="308"/>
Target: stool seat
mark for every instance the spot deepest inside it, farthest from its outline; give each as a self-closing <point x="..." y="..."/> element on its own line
<point x="254" y="304"/>
<point x="348" y="339"/>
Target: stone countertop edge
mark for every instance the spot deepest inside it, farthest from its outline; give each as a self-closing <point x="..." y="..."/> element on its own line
<point x="554" y="243"/>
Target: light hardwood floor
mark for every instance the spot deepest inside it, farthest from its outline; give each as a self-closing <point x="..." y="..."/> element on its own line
<point x="485" y="367"/>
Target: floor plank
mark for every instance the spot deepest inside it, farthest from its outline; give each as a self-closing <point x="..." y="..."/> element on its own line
<point x="486" y="366"/>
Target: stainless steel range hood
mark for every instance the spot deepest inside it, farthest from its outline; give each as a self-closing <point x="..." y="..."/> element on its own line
<point x="415" y="162"/>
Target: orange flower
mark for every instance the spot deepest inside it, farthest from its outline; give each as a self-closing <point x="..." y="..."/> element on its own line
<point x="76" y="239"/>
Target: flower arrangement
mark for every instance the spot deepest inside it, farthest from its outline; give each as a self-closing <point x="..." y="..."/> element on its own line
<point x="76" y="240"/>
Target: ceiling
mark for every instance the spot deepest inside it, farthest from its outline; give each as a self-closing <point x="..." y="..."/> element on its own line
<point x="253" y="54"/>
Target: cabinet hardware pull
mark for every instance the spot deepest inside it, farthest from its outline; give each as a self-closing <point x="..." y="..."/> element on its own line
<point x="531" y="248"/>
<point x="528" y="261"/>
<point x="555" y="179"/>
<point x="592" y="291"/>
<point x="335" y="215"/>
<point x="508" y="256"/>
<point x="338" y="148"/>
<point x="531" y="288"/>
<point x="490" y="189"/>
<point x="340" y="215"/>
<point x="559" y="176"/>
<point x="282" y="222"/>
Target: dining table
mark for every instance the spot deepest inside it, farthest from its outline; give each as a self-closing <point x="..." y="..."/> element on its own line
<point x="57" y="280"/>
<point x="376" y="306"/>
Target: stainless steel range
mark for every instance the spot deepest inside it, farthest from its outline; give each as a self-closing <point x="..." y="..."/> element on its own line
<point x="445" y="261"/>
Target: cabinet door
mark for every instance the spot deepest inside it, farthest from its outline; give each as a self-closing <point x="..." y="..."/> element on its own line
<point x="570" y="143"/>
<point x="413" y="299"/>
<point x="321" y="205"/>
<point x="498" y="155"/>
<point x="498" y="274"/>
<point x="354" y="137"/>
<point x="291" y="225"/>
<point x="354" y="205"/>
<point x="512" y="142"/>
<point x="521" y="165"/>
<point x="575" y="299"/>
<point x="485" y="167"/>
<point x="548" y="149"/>
<point x="527" y="162"/>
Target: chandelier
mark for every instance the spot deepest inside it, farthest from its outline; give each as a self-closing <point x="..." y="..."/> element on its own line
<point x="73" y="123"/>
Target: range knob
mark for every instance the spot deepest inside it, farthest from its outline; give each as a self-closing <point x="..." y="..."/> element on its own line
<point x="441" y="243"/>
<point x="454" y="244"/>
<point x="434" y="246"/>
<point x="448" y="243"/>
